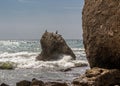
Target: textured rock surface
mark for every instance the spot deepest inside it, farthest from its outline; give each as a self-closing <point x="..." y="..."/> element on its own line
<point x="36" y="82"/>
<point x="23" y="83"/>
<point x="101" y="32"/>
<point x="99" y="77"/>
<point x="53" y="46"/>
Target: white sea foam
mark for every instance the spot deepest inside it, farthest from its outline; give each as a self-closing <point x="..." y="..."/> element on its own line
<point x="23" y="53"/>
<point x="9" y="43"/>
<point x="27" y="60"/>
<point x="78" y="49"/>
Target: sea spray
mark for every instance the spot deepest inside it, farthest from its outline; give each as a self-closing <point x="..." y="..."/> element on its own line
<point x="27" y="60"/>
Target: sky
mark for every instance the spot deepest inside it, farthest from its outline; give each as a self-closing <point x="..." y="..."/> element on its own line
<point x="28" y="19"/>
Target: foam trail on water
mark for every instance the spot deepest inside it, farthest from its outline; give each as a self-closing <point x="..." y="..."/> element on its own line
<point x="27" y="60"/>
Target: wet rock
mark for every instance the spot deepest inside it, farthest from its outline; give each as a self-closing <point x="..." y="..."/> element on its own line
<point x="36" y="82"/>
<point x="53" y="47"/>
<point x="3" y="84"/>
<point x="99" y="77"/>
<point x="23" y="83"/>
<point x="7" y="65"/>
<point x="66" y="69"/>
<point x="101" y="33"/>
<point x="55" y="84"/>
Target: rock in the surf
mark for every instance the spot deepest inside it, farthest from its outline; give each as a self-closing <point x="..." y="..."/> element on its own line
<point x="7" y="65"/>
<point x="56" y="84"/>
<point x="53" y="47"/>
<point x="36" y="82"/>
<point x="101" y="33"/>
<point x="99" y="77"/>
<point x="23" y="83"/>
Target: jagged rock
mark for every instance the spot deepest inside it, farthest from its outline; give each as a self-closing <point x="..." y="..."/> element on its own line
<point x="53" y="46"/>
<point x="101" y="33"/>
<point x="36" y="82"/>
<point x="55" y="84"/>
<point x="99" y="77"/>
<point x="23" y="83"/>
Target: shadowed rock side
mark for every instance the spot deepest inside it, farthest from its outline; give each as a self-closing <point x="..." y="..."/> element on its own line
<point x="99" y="77"/>
<point x="53" y="46"/>
<point x="101" y="33"/>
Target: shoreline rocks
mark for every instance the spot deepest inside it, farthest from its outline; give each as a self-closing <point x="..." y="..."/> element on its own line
<point x="53" y="47"/>
<point x="23" y="83"/>
<point x="36" y="82"/>
<point x="101" y="33"/>
<point x="98" y="77"/>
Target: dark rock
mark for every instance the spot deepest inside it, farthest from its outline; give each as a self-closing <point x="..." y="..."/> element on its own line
<point x="3" y="84"/>
<point x="98" y="77"/>
<point x="53" y="46"/>
<point x="101" y="33"/>
<point x="65" y="70"/>
<point x="23" y="83"/>
<point x="55" y="84"/>
<point x="36" y="82"/>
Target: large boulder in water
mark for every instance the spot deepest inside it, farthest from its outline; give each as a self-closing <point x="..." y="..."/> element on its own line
<point x="53" y="46"/>
<point x="101" y="33"/>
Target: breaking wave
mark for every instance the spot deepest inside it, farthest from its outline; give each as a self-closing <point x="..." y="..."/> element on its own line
<point x="27" y="60"/>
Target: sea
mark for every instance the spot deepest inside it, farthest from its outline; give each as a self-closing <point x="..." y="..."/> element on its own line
<point x="23" y="54"/>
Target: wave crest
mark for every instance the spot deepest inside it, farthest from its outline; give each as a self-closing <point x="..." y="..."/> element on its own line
<point x="27" y="60"/>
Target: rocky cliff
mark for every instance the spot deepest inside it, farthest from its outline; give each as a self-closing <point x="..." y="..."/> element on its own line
<point x="101" y="32"/>
<point x="53" y="47"/>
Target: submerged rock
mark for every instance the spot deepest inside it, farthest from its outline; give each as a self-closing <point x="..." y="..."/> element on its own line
<point x="101" y="33"/>
<point x="7" y="65"/>
<point x="56" y="84"/>
<point x="99" y="77"/>
<point x="65" y="70"/>
<point x="53" y="47"/>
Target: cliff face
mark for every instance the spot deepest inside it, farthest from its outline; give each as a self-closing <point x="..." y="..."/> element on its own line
<point x="101" y="32"/>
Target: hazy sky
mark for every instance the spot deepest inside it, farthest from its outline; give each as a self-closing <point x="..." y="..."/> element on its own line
<point x="28" y="19"/>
